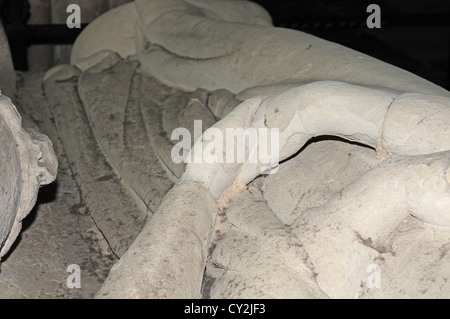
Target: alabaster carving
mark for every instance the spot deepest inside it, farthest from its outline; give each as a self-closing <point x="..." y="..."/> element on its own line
<point x="360" y="180"/>
<point x="313" y="243"/>
<point x="27" y="162"/>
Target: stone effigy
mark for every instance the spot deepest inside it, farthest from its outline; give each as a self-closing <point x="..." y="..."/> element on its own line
<point x="255" y="237"/>
<point x="360" y="180"/>
<point x="27" y="160"/>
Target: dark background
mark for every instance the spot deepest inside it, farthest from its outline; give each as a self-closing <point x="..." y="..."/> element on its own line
<point x="414" y="35"/>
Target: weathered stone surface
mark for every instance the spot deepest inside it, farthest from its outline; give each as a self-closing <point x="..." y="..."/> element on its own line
<point x="259" y="257"/>
<point x="182" y="45"/>
<point x="113" y="31"/>
<point x="415" y="266"/>
<point x="99" y="61"/>
<point x="317" y="225"/>
<point x="417" y="124"/>
<point x="175" y="240"/>
<point x="90" y="10"/>
<point x="337" y="242"/>
<point x="11" y="181"/>
<point x="333" y="108"/>
<point x="163" y="109"/>
<point x="310" y="179"/>
<point x="305" y="87"/>
<point x="115" y="208"/>
<point x="27" y="162"/>
<point x="113" y="111"/>
<point x="59" y="231"/>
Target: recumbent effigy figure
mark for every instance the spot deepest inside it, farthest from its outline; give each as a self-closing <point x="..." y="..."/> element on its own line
<point x="369" y="189"/>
